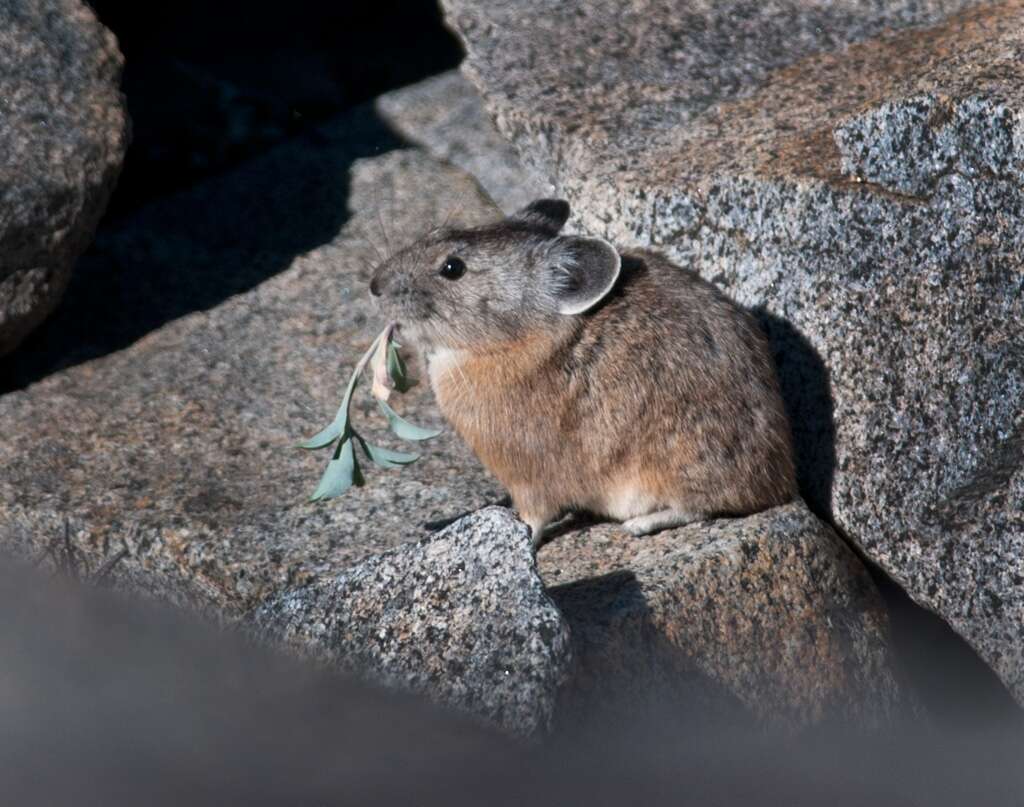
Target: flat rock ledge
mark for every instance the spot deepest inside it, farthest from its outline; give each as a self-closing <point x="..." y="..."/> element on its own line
<point x="855" y="172"/>
<point x="462" y="617"/>
<point x="63" y="135"/>
<point x="184" y="451"/>
<point x="771" y="617"/>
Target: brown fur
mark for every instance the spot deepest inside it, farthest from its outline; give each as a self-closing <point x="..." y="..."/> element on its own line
<point x="660" y="397"/>
<point x="667" y="386"/>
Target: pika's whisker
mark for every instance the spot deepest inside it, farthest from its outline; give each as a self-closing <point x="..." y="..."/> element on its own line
<point x="380" y="224"/>
<point x="373" y="246"/>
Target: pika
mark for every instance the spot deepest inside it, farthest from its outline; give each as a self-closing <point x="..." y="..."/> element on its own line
<point x="588" y="378"/>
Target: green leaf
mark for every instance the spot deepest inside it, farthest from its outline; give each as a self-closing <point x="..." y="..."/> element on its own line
<point x="397" y="371"/>
<point x="385" y="457"/>
<point x="342" y="473"/>
<point x="324" y="438"/>
<point x="339" y="426"/>
<point x="403" y="428"/>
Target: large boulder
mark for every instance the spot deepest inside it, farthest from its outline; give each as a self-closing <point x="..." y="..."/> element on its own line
<point x="462" y="617"/>
<point x="855" y="172"/>
<point x="63" y="134"/>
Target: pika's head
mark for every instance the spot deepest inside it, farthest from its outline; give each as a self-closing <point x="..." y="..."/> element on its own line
<point x="462" y="288"/>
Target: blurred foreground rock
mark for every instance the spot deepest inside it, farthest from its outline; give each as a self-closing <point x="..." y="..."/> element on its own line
<point x="858" y="171"/>
<point x="107" y="701"/>
<point x="111" y="701"/>
<point x="461" y="616"/>
<point x="63" y="134"/>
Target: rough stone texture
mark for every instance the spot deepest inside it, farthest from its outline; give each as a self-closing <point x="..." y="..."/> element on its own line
<point x="772" y="614"/>
<point x="462" y="617"/>
<point x="181" y="447"/>
<point x="63" y="133"/>
<point x="444" y="116"/>
<point x="863" y="185"/>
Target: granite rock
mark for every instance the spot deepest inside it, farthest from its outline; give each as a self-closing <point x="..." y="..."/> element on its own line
<point x="180" y="448"/>
<point x="63" y="134"/>
<point x="444" y="116"/>
<point x="770" y="617"/>
<point x="462" y="617"/>
<point x="854" y="172"/>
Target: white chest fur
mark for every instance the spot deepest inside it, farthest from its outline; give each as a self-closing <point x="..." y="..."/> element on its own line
<point x="442" y="363"/>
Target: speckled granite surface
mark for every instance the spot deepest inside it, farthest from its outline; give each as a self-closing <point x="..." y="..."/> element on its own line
<point x="461" y="616"/>
<point x="63" y="134"/>
<point x="855" y="171"/>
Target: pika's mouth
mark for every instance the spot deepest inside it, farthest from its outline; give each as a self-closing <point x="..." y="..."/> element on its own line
<point x="405" y="331"/>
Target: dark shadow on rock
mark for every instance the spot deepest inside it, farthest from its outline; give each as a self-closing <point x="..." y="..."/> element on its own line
<point x="957" y="689"/>
<point x="625" y="666"/>
<point x="573" y="521"/>
<point x="210" y="86"/>
<point x="807" y="394"/>
<point x="221" y="238"/>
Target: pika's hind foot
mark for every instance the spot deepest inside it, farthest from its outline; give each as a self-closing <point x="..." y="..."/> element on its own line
<point x="661" y="520"/>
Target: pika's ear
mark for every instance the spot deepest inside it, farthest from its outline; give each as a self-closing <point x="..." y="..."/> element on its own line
<point x="583" y="273"/>
<point x="548" y="214"/>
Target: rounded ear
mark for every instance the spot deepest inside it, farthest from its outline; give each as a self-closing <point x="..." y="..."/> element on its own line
<point x="584" y="274"/>
<point x="547" y="214"/>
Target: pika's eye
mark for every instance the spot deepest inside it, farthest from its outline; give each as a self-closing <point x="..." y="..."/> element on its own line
<point x="453" y="268"/>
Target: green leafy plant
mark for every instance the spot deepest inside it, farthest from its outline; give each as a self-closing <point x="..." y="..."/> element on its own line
<point x="389" y="374"/>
